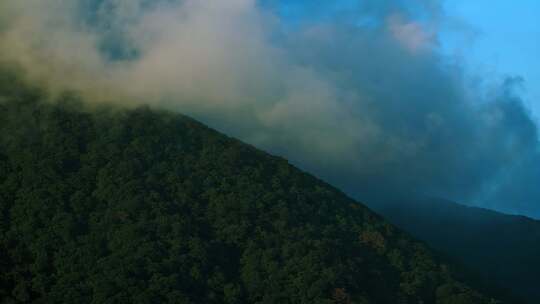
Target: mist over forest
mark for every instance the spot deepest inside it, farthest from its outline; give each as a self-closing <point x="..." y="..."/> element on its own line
<point x="356" y="92"/>
<point x="268" y="151"/>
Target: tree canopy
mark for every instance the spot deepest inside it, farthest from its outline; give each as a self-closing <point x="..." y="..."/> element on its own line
<point x="142" y="206"/>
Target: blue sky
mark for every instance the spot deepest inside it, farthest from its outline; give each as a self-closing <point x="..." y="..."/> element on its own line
<point x="493" y="39"/>
<point x="503" y="40"/>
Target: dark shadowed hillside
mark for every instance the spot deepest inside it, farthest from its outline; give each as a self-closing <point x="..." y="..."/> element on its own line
<point x="137" y="206"/>
<point x="504" y="249"/>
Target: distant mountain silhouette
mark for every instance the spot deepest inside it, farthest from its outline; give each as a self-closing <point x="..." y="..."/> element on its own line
<point x="504" y="249"/>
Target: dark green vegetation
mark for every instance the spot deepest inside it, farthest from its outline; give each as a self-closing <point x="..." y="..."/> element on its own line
<point x="118" y="206"/>
<point x="505" y="249"/>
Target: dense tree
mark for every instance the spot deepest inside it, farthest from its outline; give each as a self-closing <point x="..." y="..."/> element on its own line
<point x="138" y="206"/>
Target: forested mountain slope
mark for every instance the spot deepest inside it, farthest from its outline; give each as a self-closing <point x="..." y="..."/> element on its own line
<point x="138" y="206"/>
<point x="504" y="249"/>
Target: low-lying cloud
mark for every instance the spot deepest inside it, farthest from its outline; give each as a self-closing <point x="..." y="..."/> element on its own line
<point x="356" y="92"/>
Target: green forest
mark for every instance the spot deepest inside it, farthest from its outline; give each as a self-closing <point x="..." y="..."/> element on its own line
<point x="109" y="205"/>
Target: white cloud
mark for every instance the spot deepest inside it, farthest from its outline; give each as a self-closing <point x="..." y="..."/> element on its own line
<point x="412" y="35"/>
<point x="342" y="101"/>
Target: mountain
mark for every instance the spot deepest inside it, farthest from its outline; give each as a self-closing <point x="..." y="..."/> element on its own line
<point x="504" y="249"/>
<point x="136" y="206"/>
